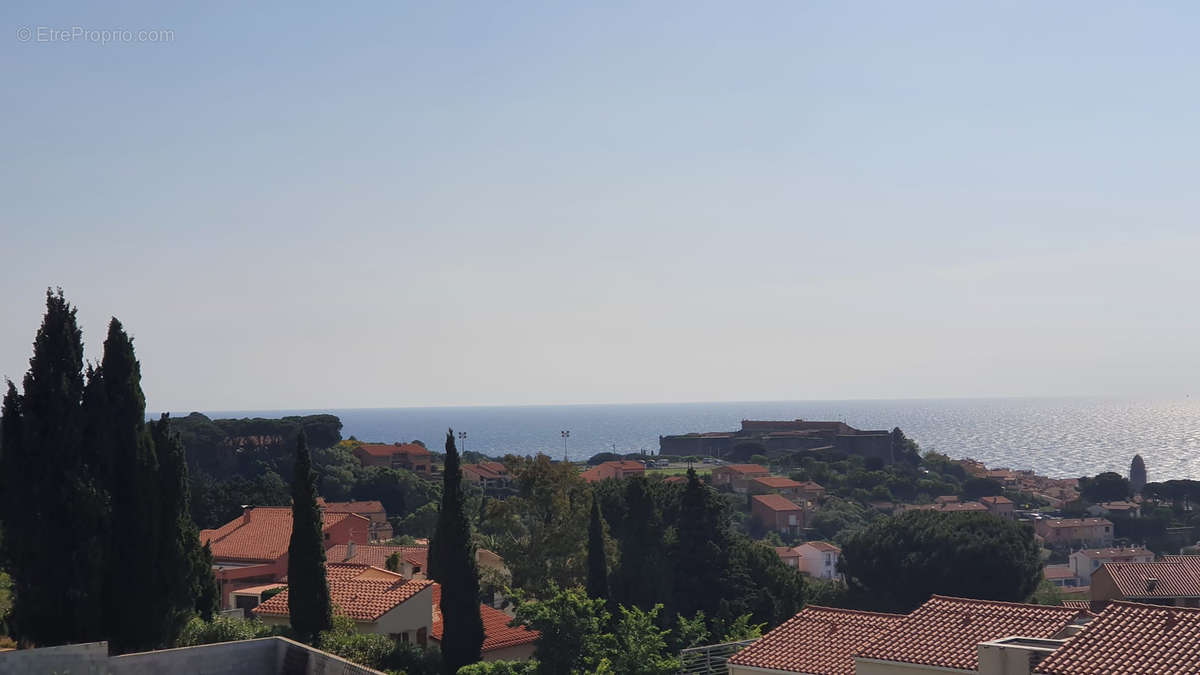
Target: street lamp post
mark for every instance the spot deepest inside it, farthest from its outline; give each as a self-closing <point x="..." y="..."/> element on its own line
<point x="462" y="437"/>
<point x="565" y="435"/>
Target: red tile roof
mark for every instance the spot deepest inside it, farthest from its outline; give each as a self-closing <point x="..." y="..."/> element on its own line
<point x="996" y="500"/>
<point x="376" y="555"/>
<point x="776" y="503"/>
<point x="1132" y="639"/>
<point x="675" y="479"/>
<point x="482" y="471"/>
<point x="823" y="546"/>
<point x="360" y="592"/>
<point x="386" y="450"/>
<point x="945" y="632"/>
<point x="744" y="468"/>
<point x="1093" y="606"/>
<point x="817" y="641"/>
<point x="351" y="507"/>
<point x="959" y="507"/>
<point x="785" y="552"/>
<point x="497" y="634"/>
<point x="1058" y="572"/>
<point x="1154" y="579"/>
<point x="776" y="482"/>
<point x="262" y="534"/>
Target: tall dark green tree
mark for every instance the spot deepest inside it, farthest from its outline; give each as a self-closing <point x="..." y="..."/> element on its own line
<point x="452" y="564"/>
<point x="597" y="582"/>
<point x="53" y="506"/>
<point x="640" y="578"/>
<point x="183" y="578"/>
<point x="117" y="430"/>
<point x="699" y="561"/>
<point x="308" y="587"/>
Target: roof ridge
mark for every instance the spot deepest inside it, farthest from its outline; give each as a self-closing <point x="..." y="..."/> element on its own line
<point x="843" y="610"/>
<point x="1003" y="603"/>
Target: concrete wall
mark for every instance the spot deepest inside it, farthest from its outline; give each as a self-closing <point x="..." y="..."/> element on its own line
<point x="870" y="667"/>
<point x="407" y="617"/>
<point x="91" y="657"/>
<point x="246" y="656"/>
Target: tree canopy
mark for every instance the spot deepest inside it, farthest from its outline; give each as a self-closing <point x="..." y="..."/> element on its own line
<point x="895" y="564"/>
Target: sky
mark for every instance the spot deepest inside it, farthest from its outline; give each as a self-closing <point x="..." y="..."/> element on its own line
<point x="411" y="204"/>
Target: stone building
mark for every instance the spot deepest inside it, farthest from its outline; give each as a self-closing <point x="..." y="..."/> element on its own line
<point x="763" y="437"/>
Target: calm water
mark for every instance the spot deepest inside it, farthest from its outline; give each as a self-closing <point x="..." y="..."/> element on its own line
<point x="1056" y="437"/>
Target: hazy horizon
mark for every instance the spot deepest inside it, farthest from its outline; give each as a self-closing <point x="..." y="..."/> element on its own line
<point x="405" y="204"/>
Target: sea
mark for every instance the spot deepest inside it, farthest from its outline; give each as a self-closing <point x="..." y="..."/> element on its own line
<point x="1057" y="437"/>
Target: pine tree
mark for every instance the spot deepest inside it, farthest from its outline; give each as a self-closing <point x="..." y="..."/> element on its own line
<point x="597" y="583"/>
<point x="53" y="507"/>
<point x="308" y="587"/>
<point x="119" y="432"/>
<point x="455" y="570"/>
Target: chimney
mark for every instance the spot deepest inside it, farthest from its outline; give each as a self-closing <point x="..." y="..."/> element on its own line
<point x="246" y="509"/>
<point x="1151" y="584"/>
<point x="350" y="550"/>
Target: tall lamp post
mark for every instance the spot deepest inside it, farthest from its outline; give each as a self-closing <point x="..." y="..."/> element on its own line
<point x="462" y="440"/>
<point x="565" y="435"/>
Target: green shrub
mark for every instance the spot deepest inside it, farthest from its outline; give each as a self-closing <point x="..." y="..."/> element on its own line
<point x="500" y="668"/>
<point x="222" y="629"/>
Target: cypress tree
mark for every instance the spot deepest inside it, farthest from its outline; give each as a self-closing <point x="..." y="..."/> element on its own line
<point x="53" y="507"/>
<point x="184" y="579"/>
<point x="597" y="582"/>
<point x="207" y="596"/>
<point x="308" y="588"/>
<point x="455" y="570"/>
<point x="639" y="580"/>
<point x="700" y="560"/>
<point x="136" y="605"/>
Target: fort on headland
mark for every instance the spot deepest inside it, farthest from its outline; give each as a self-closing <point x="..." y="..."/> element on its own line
<point x="764" y="437"/>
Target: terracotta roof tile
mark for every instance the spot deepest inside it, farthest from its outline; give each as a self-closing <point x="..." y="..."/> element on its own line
<point x="376" y="555"/>
<point x="351" y="507"/>
<point x="262" y="534"/>
<point x="1076" y="522"/>
<point x="744" y="468"/>
<point x="1117" y="552"/>
<point x="997" y="499"/>
<point x="818" y="641"/>
<point x="945" y="632"/>
<point x="1169" y="579"/>
<point x="776" y="503"/>
<point x="776" y="482"/>
<point x="1132" y="639"/>
<point x="1058" y="572"/>
<point x="360" y="592"/>
<point x="497" y="634"/>
<point x="823" y="546"/>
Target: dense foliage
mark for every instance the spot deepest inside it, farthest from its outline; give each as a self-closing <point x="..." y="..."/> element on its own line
<point x="1105" y="487"/>
<point x="597" y="581"/>
<point x="452" y="564"/>
<point x="98" y="541"/>
<point x="895" y="564"/>
<point x="308" y="588"/>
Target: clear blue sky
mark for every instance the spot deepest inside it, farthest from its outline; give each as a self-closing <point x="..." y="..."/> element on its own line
<point x="505" y="203"/>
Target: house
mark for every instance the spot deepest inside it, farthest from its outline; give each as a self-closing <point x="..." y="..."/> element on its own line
<point x="811" y="492"/>
<point x="1130" y="639"/>
<point x="944" y="635"/>
<point x="1085" y="561"/>
<point x="789" y="555"/>
<point x="737" y="477"/>
<point x="251" y="550"/>
<point x="945" y="499"/>
<point x="1128" y="509"/>
<point x="999" y="506"/>
<point x="377" y="600"/>
<point x="501" y="641"/>
<point x="1062" y="532"/>
<point x="817" y="641"/>
<point x="819" y="559"/>
<point x="412" y="559"/>
<point x="616" y="469"/>
<point x="1174" y="581"/>
<point x="410" y="456"/>
<point x="785" y="487"/>
<point x="380" y="528"/>
<point x="1061" y="576"/>
<point x="778" y="514"/>
<point x="486" y="474"/>
<point x="962" y="507"/>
